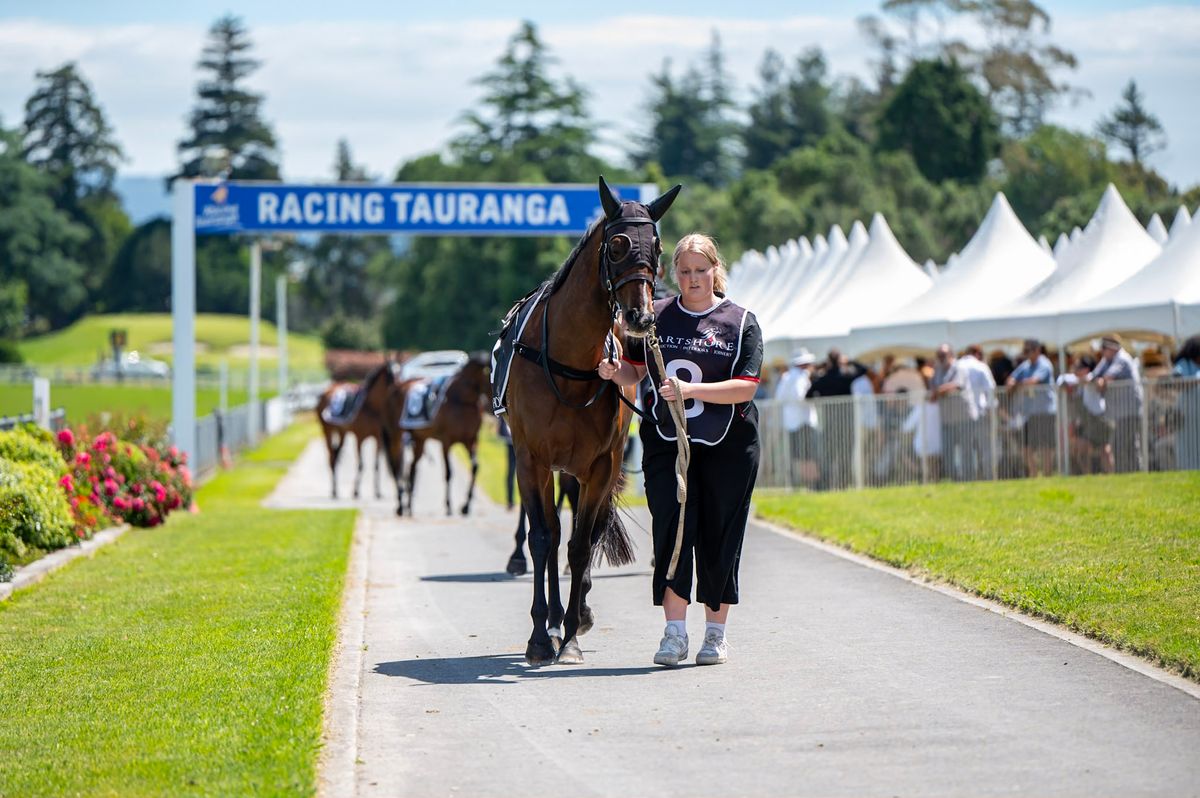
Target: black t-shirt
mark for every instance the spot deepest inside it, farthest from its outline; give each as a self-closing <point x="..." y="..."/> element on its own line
<point x="724" y="342"/>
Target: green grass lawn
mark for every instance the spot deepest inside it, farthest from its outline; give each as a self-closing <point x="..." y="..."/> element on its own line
<point x="81" y="401"/>
<point x="185" y="660"/>
<point x="1114" y="557"/>
<point x="150" y="334"/>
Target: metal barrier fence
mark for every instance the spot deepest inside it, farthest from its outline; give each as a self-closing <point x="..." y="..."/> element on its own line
<point x="239" y="378"/>
<point x="231" y="431"/>
<point x="836" y="443"/>
<point x="58" y="420"/>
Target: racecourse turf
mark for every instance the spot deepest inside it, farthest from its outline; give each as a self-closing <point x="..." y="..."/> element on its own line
<point x="190" y="659"/>
<point x="1114" y="557"/>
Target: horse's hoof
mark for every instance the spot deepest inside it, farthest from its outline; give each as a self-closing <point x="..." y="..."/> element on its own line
<point x="586" y="620"/>
<point x="466" y="509"/>
<point x="400" y="511"/>
<point x="539" y="654"/>
<point x="556" y="644"/>
<point x="517" y="566"/>
<point x="570" y="654"/>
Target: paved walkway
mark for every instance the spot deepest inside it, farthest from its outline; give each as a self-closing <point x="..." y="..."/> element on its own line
<point x="842" y="680"/>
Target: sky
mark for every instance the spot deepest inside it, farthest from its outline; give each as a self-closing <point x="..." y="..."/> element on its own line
<point x="394" y="78"/>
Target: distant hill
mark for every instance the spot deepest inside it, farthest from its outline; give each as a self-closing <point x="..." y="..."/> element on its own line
<point x="144" y="196"/>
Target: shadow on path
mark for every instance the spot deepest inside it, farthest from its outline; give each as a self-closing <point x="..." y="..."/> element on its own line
<point x="501" y="576"/>
<point x="494" y="669"/>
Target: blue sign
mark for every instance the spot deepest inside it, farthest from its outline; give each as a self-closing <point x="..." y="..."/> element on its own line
<point x="416" y="209"/>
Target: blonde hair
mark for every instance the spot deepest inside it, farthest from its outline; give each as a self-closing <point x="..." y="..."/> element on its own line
<point x="706" y="245"/>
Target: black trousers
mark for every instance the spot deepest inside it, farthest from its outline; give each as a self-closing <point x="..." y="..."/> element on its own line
<point x="720" y="482"/>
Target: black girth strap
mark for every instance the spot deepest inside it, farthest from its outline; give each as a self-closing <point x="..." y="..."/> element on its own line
<point x="561" y="369"/>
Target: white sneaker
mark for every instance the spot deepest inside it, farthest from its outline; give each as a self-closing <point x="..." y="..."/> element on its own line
<point x="715" y="649"/>
<point x="672" y="650"/>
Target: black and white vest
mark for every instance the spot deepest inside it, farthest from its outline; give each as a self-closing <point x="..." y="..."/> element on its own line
<point x="696" y="347"/>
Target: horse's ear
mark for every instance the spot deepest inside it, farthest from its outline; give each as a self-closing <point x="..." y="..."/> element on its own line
<point x="658" y="207"/>
<point x="609" y="201"/>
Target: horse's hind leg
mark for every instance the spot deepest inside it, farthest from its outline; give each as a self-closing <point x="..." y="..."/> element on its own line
<point x="358" y="442"/>
<point x="333" y="445"/>
<point x="516" y="563"/>
<point x="378" y="454"/>
<point x="555" y="620"/>
<point x="446" y="460"/>
<point x="472" y="451"/>
<point x="418" y="445"/>
<point x="593" y="496"/>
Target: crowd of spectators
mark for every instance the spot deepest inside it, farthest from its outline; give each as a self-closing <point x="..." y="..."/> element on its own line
<point x="983" y="418"/>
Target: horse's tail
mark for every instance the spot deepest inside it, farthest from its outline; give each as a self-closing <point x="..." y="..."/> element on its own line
<point x="610" y="539"/>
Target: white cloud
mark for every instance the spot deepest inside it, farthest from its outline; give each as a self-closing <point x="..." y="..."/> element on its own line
<point x="396" y="90"/>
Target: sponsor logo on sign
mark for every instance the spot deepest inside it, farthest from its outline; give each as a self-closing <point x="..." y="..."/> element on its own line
<point x="216" y="212"/>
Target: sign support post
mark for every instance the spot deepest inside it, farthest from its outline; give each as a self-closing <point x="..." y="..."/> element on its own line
<point x="183" y="317"/>
<point x="255" y="312"/>
<point x="281" y="333"/>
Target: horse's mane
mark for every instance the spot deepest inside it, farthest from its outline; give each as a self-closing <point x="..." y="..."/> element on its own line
<point x="374" y="374"/>
<point x="559" y="277"/>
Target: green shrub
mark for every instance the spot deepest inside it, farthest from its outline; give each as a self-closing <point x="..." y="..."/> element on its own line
<point x="9" y="353"/>
<point x="25" y="445"/>
<point x="33" y="505"/>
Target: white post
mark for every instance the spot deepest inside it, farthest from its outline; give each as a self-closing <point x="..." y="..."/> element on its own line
<point x="255" y="312"/>
<point x="41" y="402"/>
<point x="281" y="335"/>
<point x="223" y="371"/>
<point x="183" y="317"/>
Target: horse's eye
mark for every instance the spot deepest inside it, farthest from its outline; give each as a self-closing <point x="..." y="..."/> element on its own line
<point x="619" y="247"/>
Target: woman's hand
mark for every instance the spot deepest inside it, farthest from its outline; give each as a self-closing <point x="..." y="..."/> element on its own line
<point x="607" y="369"/>
<point x="667" y="390"/>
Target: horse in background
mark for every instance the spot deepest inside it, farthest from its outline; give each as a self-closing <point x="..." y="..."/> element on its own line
<point x="360" y="410"/>
<point x="456" y="419"/>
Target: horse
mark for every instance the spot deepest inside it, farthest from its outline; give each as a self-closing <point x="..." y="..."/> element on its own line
<point x="457" y="420"/>
<point x="367" y="421"/>
<point x="576" y="424"/>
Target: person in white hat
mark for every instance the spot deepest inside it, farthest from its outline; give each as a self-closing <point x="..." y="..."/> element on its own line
<point x="800" y="417"/>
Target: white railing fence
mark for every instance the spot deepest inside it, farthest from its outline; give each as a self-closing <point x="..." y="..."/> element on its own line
<point x="901" y="439"/>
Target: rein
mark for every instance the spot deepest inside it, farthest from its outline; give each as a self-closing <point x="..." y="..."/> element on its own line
<point x="683" y="447"/>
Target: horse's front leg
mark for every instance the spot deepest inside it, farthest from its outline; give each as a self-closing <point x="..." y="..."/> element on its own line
<point x="472" y="448"/>
<point x="593" y="501"/>
<point x="418" y="445"/>
<point x="333" y="444"/>
<point x="533" y="482"/>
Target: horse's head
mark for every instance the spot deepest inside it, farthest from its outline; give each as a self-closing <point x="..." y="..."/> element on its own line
<point x="629" y="255"/>
<point x="477" y="373"/>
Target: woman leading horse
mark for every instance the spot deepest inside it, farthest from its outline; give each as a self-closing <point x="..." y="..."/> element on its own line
<point x="565" y="418"/>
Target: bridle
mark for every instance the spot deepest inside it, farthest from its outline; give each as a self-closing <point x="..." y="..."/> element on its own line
<point x="614" y="273"/>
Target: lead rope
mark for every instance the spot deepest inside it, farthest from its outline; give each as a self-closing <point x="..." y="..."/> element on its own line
<point x="683" y="453"/>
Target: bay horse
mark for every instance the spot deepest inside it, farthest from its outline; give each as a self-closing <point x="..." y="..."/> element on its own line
<point x="456" y="421"/>
<point x="577" y="425"/>
<point x="368" y="421"/>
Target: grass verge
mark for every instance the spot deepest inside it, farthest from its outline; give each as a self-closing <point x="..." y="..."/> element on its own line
<point x="81" y="401"/>
<point x="1116" y="558"/>
<point x="186" y="660"/>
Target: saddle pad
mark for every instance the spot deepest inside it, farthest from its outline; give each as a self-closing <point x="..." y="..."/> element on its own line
<point x="422" y="403"/>
<point x="502" y="353"/>
<point x="344" y="404"/>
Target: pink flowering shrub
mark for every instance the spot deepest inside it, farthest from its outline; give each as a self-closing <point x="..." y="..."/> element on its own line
<point x="137" y="484"/>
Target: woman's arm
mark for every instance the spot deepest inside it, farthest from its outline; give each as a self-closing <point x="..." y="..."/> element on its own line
<point x="623" y="373"/>
<point x="726" y="392"/>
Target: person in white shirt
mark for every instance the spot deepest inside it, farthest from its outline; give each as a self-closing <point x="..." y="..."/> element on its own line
<point x="800" y="418"/>
<point x="981" y="394"/>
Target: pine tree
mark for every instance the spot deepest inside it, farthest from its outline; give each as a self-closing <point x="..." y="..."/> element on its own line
<point x="228" y="136"/>
<point x="1131" y="126"/>
<point x="67" y="136"/>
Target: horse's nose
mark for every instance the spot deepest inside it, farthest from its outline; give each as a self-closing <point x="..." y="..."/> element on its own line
<point x="639" y="320"/>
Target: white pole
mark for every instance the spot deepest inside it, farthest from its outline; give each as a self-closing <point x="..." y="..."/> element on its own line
<point x="255" y="297"/>
<point x="224" y="389"/>
<point x="41" y="402"/>
<point x="183" y="317"/>
<point x="281" y="335"/>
